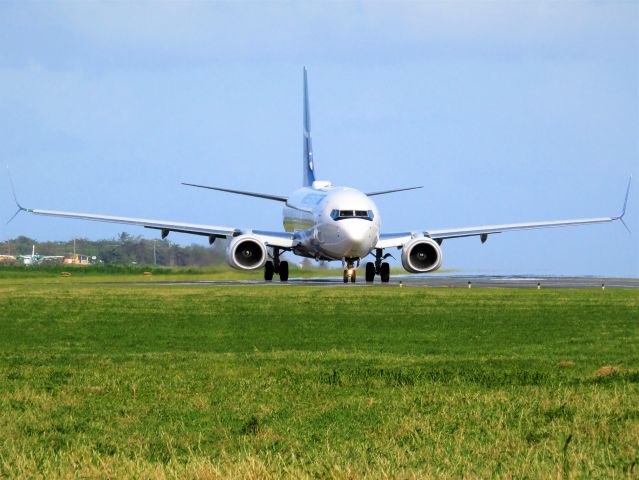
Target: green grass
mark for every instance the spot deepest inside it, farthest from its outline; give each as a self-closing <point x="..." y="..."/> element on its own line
<point x="127" y="273"/>
<point x="271" y="381"/>
<point x="52" y="274"/>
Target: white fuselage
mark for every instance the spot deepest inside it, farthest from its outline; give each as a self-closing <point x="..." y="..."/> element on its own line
<point x="332" y="223"/>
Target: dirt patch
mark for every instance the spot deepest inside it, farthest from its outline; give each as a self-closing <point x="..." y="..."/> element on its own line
<point x="567" y="363"/>
<point x="608" y="370"/>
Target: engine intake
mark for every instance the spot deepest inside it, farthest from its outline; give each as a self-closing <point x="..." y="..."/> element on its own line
<point x="421" y="255"/>
<point x="246" y="253"/>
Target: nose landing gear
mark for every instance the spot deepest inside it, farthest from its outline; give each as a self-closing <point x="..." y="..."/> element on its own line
<point x="276" y="267"/>
<point x="350" y="273"/>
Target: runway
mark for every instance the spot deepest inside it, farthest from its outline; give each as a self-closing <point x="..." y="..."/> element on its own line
<point x="442" y="281"/>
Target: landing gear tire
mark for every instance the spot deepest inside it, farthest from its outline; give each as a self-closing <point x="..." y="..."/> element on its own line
<point x="385" y="272"/>
<point x="268" y="271"/>
<point x="350" y="273"/>
<point x="284" y="271"/>
<point x="370" y="272"/>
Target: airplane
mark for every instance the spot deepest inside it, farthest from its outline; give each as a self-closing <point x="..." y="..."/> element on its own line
<point x="34" y="259"/>
<point x="326" y="223"/>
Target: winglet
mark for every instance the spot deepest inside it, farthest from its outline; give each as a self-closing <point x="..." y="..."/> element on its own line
<point x="625" y="204"/>
<point x="15" y="197"/>
<point x="13" y="189"/>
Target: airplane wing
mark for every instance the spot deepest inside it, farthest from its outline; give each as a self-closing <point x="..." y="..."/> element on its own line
<point x="490" y="229"/>
<point x="273" y="239"/>
<point x="399" y="239"/>
<point x="283" y="240"/>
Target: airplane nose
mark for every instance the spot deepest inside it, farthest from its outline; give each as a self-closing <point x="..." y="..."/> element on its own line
<point x="359" y="235"/>
<point x="357" y="232"/>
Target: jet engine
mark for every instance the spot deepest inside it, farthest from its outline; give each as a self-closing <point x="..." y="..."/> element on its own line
<point x="421" y="255"/>
<point x="246" y="252"/>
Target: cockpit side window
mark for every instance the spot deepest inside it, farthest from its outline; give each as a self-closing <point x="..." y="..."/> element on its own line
<point x="344" y="214"/>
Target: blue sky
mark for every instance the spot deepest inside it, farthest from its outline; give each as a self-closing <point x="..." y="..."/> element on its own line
<point x="505" y="111"/>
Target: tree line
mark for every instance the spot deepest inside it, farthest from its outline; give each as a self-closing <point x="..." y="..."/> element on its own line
<point x="125" y="249"/>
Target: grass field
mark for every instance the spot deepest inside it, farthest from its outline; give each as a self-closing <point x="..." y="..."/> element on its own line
<point x="271" y="381"/>
<point x="129" y="273"/>
<point x="150" y="274"/>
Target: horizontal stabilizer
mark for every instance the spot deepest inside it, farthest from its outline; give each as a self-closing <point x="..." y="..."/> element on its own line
<point x="384" y="192"/>
<point x="241" y="192"/>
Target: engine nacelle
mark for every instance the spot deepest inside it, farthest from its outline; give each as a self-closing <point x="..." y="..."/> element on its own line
<point x="246" y="252"/>
<point x="421" y="255"/>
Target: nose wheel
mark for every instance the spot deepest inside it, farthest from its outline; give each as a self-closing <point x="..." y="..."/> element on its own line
<point x="350" y="277"/>
<point x="350" y="273"/>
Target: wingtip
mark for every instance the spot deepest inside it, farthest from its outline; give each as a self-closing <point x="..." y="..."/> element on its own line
<point x="13" y="192"/>
<point x="625" y="201"/>
<point x="623" y="208"/>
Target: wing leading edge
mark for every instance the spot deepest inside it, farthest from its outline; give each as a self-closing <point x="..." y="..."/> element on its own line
<point x="273" y="239"/>
<point x="398" y="239"/>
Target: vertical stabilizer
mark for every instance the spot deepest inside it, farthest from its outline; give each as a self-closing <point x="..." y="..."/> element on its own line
<point x="309" y="167"/>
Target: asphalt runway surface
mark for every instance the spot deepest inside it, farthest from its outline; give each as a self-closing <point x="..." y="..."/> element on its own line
<point x="474" y="281"/>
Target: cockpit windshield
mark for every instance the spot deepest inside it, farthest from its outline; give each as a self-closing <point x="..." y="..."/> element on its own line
<point x="344" y="214"/>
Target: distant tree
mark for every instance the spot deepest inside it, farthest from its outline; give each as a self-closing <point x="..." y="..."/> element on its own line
<point x="124" y="249"/>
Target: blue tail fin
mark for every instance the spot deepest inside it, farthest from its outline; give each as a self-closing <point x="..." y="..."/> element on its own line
<point x="309" y="167"/>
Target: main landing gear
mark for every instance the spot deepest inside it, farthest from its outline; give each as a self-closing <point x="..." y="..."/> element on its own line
<point x="276" y="267"/>
<point x="378" y="268"/>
